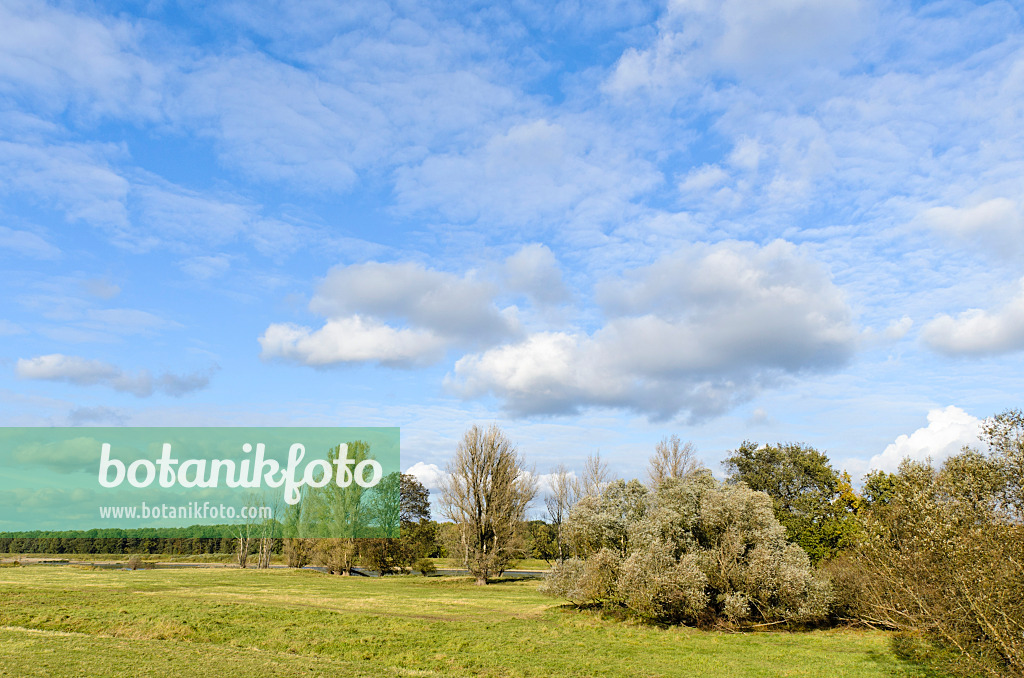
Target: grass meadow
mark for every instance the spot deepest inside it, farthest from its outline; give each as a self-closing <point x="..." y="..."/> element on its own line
<point x="73" y="621"/>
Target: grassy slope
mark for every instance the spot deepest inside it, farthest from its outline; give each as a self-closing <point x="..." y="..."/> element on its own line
<point x="69" y="621"/>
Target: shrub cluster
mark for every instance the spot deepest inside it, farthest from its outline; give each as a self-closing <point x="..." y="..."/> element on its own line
<point x="692" y="550"/>
<point x="943" y="558"/>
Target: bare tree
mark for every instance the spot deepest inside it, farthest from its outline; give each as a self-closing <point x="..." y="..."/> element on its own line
<point x="560" y="501"/>
<point x="672" y="459"/>
<point x="485" y="494"/>
<point x="596" y="475"/>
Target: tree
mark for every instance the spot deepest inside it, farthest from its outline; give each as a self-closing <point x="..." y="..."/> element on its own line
<point x="399" y="507"/>
<point x="415" y="500"/>
<point x="558" y="503"/>
<point x="672" y="459"/>
<point x="542" y="541"/>
<point x="602" y="521"/>
<point x="335" y="510"/>
<point x="384" y="506"/>
<point x="596" y="475"/>
<point x="419" y="532"/>
<point x="486" y="493"/>
<point x="809" y="497"/>
<point x="1004" y="434"/>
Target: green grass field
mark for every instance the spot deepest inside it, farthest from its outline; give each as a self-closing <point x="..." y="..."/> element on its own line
<point x="73" y="621"/>
<point x="220" y="558"/>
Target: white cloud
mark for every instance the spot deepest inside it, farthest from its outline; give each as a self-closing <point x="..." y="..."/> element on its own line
<point x="765" y="36"/>
<point x="545" y="484"/>
<point x="362" y="97"/>
<point x="77" y="179"/>
<point x="27" y="243"/>
<point x="696" y="332"/>
<point x="395" y="314"/>
<point x="207" y="266"/>
<point x="431" y="475"/>
<point x="103" y="289"/>
<point x="454" y="306"/>
<point x="703" y="178"/>
<point x="351" y="339"/>
<point x="136" y="209"/>
<point x="59" y="58"/>
<point x="124" y="321"/>
<point x="898" y="329"/>
<point x="66" y="368"/>
<point x="7" y="328"/>
<point x="698" y="39"/>
<point x="996" y="224"/>
<point x="533" y="172"/>
<point x="979" y="332"/>
<point x="84" y="372"/>
<point x="947" y="432"/>
<point x="534" y="271"/>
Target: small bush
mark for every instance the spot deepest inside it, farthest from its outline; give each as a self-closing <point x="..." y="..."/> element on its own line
<point x="426" y="567"/>
<point x="134" y="562"/>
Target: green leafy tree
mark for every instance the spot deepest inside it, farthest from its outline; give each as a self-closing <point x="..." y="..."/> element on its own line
<point x="542" y="541"/>
<point x="816" y="504"/>
<point x="419" y="532"/>
<point x="415" y="500"/>
<point x="335" y="510"/>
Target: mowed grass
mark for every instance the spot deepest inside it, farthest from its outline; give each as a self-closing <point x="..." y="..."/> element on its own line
<point x="74" y="622"/>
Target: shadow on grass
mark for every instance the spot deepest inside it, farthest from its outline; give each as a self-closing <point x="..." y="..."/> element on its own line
<point x="925" y="668"/>
<point x="507" y="579"/>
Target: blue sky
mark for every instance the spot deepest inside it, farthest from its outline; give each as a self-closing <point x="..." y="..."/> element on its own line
<point x="597" y="226"/>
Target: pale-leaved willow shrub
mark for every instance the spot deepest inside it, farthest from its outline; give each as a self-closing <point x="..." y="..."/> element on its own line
<point x="655" y="585"/>
<point x="694" y="550"/>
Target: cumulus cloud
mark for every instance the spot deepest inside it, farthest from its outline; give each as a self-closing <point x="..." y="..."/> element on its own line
<point x="399" y="314"/>
<point x="947" y="432"/>
<point x="898" y="329"/>
<point x="978" y="332"/>
<point x="546" y="483"/>
<point x="350" y="340"/>
<point x="996" y="225"/>
<point x="696" y="332"/>
<point x="451" y="305"/>
<point x="534" y="271"/>
<point x="84" y="372"/>
<point x="431" y="475"/>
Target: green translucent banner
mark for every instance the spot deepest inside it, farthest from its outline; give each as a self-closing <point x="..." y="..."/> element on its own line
<point x="200" y="482"/>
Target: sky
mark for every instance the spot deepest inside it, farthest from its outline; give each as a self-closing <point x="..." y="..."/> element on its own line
<point x="594" y="224"/>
